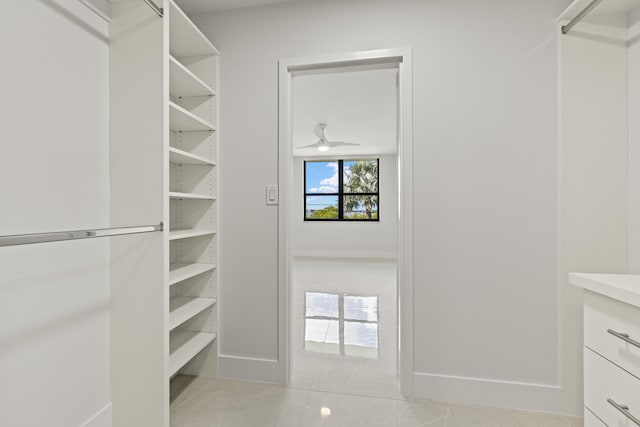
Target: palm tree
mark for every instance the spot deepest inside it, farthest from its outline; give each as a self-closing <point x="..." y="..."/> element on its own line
<point x="362" y="177"/>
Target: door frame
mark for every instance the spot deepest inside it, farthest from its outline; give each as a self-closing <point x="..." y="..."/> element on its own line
<point x="287" y="67"/>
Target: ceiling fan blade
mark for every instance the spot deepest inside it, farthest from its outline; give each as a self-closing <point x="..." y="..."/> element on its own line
<point x="315" y="144"/>
<point x="339" y="143"/>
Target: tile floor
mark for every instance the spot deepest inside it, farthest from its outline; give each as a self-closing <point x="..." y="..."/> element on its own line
<point x="200" y="402"/>
<point x="322" y="371"/>
<point x="330" y="389"/>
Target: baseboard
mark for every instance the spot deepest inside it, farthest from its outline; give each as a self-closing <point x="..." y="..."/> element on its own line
<point x="479" y="391"/>
<point x="102" y="418"/>
<point x="345" y="254"/>
<point x="247" y="368"/>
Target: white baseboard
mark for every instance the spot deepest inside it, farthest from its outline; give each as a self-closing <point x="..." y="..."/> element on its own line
<point x="102" y="418"/>
<point x="479" y="391"/>
<point x="247" y="368"/>
<point x="344" y="254"/>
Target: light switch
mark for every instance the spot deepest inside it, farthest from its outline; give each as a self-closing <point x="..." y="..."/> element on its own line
<point x="272" y="194"/>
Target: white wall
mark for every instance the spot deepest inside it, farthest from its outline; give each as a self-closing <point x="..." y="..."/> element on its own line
<point x="633" y="61"/>
<point x="54" y="175"/>
<point x="348" y="239"/>
<point x="485" y="174"/>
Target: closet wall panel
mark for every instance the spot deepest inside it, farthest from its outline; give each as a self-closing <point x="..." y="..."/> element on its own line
<point x="54" y="175"/>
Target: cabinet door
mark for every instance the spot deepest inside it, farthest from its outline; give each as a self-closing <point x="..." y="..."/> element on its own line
<point x="603" y="314"/>
<point x="606" y="385"/>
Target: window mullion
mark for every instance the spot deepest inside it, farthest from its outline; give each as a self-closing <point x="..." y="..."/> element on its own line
<point x="340" y="189"/>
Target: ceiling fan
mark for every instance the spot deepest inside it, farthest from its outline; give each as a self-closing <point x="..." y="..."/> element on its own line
<point x="322" y="144"/>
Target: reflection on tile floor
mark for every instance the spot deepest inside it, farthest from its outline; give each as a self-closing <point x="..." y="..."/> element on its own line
<point x="341" y="324"/>
<point x="347" y="360"/>
<point x="327" y="388"/>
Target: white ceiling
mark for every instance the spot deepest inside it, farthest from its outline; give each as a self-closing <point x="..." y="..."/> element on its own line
<point x="205" y="6"/>
<point x="358" y="106"/>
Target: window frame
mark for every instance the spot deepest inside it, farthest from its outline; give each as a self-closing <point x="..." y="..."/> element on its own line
<point x="341" y="193"/>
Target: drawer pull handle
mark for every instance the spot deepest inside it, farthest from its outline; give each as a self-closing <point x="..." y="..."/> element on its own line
<point x="624" y="337"/>
<point x="625" y="411"/>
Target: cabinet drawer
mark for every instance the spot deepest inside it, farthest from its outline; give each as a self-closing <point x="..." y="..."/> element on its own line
<point x="591" y="420"/>
<point x="603" y="314"/>
<point x="602" y="381"/>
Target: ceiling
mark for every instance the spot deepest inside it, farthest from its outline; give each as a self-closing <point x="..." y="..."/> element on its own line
<point x="205" y="6"/>
<point x="358" y="105"/>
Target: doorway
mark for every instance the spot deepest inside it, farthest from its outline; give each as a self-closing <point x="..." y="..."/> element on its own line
<point x="339" y="343"/>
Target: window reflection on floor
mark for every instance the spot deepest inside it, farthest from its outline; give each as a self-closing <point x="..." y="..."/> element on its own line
<point x="341" y="324"/>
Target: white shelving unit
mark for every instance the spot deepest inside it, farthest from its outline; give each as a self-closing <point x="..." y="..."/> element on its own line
<point x="193" y="196"/>
<point x="182" y="120"/>
<point x="165" y="320"/>
<point x="185" y="346"/>
<point x="192" y="154"/>
<point x="181" y="271"/>
<point x="185" y="308"/>
<point x="187" y="234"/>
<point x="186" y="39"/>
<point x="184" y="83"/>
<point x="179" y="157"/>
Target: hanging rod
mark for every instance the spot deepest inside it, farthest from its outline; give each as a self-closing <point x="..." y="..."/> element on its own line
<point x="157" y="9"/>
<point x="578" y="18"/>
<point x="57" y="236"/>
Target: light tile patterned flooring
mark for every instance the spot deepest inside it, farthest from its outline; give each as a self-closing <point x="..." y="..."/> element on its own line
<point x="356" y="391"/>
<point x="200" y="402"/>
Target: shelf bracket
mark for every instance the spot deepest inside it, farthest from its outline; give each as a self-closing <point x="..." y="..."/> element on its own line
<point x="157" y="9"/>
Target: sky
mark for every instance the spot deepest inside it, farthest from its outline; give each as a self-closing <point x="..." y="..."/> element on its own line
<point x="322" y="177"/>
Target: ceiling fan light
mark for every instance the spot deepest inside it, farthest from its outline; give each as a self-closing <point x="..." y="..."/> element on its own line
<point x="323" y="148"/>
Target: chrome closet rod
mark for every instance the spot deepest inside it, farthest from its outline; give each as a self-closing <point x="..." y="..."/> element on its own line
<point x="58" y="236"/>
<point x="578" y="18"/>
<point x="157" y="9"/>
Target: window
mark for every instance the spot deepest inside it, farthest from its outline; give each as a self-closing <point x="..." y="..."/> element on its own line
<point x="341" y="190"/>
<point x="341" y="324"/>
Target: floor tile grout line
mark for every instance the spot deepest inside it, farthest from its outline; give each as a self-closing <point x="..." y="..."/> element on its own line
<point x="392" y="399"/>
<point x="453" y="415"/>
<point x="353" y="374"/>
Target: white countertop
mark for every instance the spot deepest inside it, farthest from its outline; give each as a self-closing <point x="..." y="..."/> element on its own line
<point x="623" y="287"/>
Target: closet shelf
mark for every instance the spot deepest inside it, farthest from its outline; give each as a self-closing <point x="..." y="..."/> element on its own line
<point x="182" y="309"/>
<point x="184" y="346"/>
<point x="183" y="83"/>
<point x="180" y="157"/>
<point x="185" y="38"/>
<point x="181" y="271"/>
<point x="181" y="120"/>
<point x="185" y="234"/>
<point x="191" y="196"/>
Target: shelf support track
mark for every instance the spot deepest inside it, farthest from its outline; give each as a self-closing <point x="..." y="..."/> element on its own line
<point x="157" y="9"/>
<point x="58" y="236"/>
<point x="578" y="17"/>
